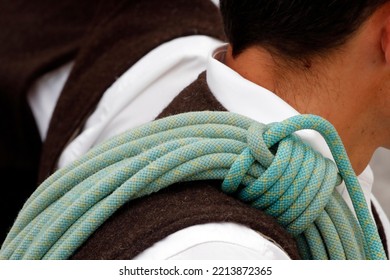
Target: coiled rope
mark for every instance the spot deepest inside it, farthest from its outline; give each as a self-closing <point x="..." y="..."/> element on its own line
<point x="265" y="166"/>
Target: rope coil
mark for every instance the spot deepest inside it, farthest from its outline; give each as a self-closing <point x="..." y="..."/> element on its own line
<point x="294" y="184"/>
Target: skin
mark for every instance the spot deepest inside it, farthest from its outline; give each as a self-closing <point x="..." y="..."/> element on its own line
<point x="349" y="86"/>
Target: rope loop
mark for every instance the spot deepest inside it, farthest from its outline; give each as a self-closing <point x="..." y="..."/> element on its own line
<point x="257" y="146"/>
<point x="257" y="150"/>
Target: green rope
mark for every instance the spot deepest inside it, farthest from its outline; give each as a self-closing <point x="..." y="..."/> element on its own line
<point x="267" y="167"/>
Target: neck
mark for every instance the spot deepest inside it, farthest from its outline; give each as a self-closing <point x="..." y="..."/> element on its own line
<point x="312" y="88"/>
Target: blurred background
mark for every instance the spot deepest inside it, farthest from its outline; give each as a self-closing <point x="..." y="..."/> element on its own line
<point x="380" y="164"/>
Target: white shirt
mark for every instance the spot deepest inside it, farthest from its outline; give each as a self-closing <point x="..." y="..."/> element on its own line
<point x="141" y="93"/>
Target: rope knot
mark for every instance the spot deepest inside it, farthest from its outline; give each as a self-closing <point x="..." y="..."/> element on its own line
<point x="295" y="182"/>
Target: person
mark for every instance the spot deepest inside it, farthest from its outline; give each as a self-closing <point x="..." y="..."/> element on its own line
<point x="334" y="66"/>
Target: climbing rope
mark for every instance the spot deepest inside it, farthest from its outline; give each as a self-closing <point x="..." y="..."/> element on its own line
<point x="266" y="166"/>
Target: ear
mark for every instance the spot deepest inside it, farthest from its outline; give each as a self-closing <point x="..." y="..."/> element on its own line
<point x="385" y="41"/>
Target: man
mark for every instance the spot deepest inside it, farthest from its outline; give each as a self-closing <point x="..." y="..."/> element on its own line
<point x="302" y="70"/>
<point x="328" y="59"/>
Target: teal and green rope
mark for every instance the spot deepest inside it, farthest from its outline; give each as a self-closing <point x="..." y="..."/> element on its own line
<point x="266" y="166"/>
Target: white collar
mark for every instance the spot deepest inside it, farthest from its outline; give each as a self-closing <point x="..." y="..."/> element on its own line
<point x="244" y="97"/>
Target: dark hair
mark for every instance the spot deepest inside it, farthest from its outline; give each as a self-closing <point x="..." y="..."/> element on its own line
<point x="293" y="28"/>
